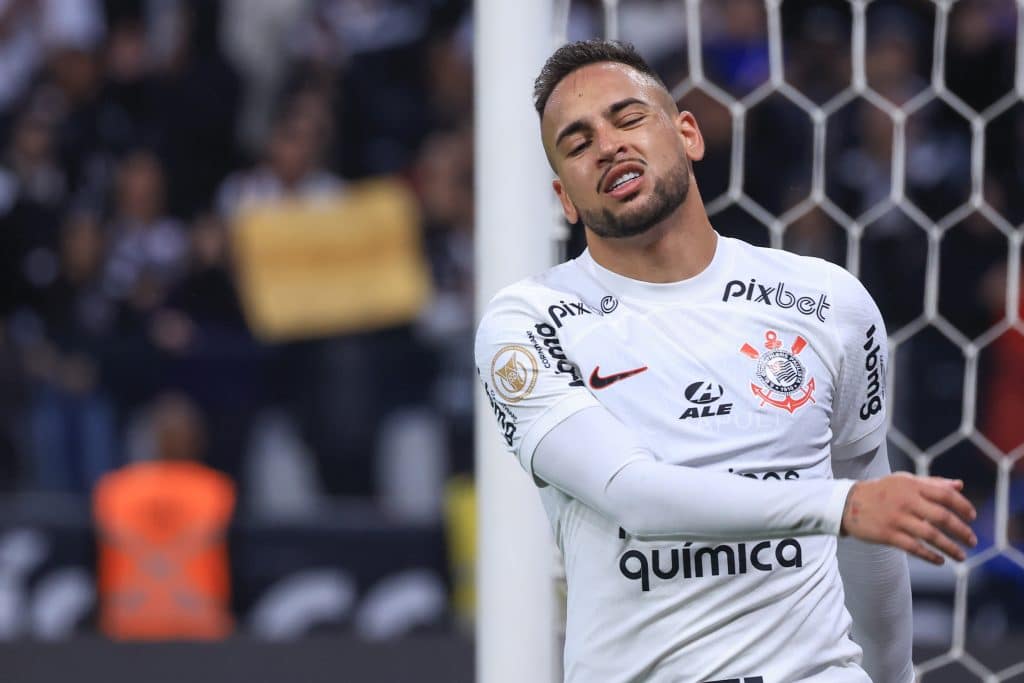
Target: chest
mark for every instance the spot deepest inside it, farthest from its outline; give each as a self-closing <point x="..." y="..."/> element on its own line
<point x="706" y="385"/>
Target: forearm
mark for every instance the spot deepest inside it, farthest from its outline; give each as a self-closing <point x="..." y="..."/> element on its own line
<point x="877" y="585"/>
<point x="592" y="458"/>
<point x="657" y="499"/>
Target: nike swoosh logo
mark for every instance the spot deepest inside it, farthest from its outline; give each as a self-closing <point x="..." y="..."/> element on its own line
<point x="599" y="382"/>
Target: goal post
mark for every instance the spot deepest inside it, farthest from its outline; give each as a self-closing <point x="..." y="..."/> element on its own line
<point x="515" y="609"/>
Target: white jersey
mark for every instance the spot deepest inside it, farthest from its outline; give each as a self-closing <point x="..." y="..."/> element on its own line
<point x="766" y="365"/>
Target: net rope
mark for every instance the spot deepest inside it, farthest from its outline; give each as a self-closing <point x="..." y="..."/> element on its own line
<point x="854" y="226"/>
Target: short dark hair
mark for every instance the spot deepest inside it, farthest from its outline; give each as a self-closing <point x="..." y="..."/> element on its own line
<point x="572" y="56"/>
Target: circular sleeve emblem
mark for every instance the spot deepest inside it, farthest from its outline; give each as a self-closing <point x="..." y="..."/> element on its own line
<point x="514" y="372"/>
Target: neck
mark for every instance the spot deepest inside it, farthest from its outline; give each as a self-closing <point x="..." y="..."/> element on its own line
<point x="676" y="249"/>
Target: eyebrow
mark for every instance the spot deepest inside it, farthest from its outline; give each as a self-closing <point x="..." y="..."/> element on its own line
<point x="580" y="125"/>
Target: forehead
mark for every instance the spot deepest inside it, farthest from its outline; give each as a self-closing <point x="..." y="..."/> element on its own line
<point x="591" y="88"/>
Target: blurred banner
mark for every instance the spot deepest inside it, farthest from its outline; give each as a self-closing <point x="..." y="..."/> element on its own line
<point x="318" y="267"/>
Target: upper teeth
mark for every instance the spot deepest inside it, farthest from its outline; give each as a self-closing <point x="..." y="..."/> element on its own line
<point x="626" y="177"/>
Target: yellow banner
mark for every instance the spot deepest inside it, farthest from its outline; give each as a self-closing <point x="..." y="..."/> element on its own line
<point x="326" y="266"/>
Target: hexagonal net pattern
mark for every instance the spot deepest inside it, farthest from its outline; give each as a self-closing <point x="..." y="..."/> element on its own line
<point x="886" y="136"/>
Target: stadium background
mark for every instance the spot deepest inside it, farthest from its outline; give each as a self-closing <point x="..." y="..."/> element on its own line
<point x="141" y="141"/>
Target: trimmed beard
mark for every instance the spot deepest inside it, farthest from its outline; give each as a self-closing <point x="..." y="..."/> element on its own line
<point x="669" y="193"/>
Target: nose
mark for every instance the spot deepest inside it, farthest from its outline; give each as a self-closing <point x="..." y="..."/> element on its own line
<point x="609" y="143"/>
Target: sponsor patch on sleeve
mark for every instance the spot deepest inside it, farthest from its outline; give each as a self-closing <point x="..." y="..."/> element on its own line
<point x="514" y="372"/>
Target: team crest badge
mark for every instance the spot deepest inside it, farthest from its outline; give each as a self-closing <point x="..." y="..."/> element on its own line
<point x="781" y="373"/>
<point x="514" y="372"/>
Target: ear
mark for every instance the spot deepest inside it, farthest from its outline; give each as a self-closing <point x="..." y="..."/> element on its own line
<point x="568" y="208"/>
<point x="689" y="131"/>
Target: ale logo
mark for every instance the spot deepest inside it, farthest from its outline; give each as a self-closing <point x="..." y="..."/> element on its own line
<point x="703" y="393"/>
<point x="514" y="372"/>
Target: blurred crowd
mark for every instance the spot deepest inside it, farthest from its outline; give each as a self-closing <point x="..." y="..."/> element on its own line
<point x="134" y="132"/>
<point x="132" y="135"/>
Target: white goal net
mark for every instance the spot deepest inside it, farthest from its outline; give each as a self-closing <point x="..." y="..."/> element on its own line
<point x="887" y="137"/>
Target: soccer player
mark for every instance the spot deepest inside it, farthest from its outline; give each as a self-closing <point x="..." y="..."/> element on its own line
<point x="705" y="419"/>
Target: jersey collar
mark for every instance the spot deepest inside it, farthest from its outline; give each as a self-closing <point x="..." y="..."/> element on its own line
<point x="706" y="283"/>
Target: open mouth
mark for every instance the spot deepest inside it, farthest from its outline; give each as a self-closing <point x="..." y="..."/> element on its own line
<point x="623" y="179"/>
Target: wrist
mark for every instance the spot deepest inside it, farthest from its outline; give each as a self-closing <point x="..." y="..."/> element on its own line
<point x="842" y="504"/>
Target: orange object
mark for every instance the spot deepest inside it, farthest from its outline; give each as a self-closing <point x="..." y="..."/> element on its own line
<point x="163" y="562"/>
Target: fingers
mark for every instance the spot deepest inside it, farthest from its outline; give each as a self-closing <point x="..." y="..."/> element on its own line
<point x="951" y="500"/>
<point x="922" y="530"/>
<point x="927" y="517"/>
<point x="957" y="484"/>
<point x="914" y="547"/>
<point x="946" y="522"/>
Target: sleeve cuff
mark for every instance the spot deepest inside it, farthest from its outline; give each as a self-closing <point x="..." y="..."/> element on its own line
<point x="833" y="515"/>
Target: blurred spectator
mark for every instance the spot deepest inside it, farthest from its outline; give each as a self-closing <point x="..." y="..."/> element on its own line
<point x="858" y="178"/>
<point x="973" y="251"/>
<point x="32" y="192"/>
<point x="163" y="564"/>
<point x="444" y="178"/>
<point x="1003" y="403"/>
<point x="449" y="81"/>
<point x="205" y="297"/>
<point x="399" y="53"/>
<point x="71" y="90"/>
<point x="147" y="255"/>
<point x="657" y="28"/>
<point x="340" y="391"/>
<point x="196" y="107"/>
<point x="736" y="45"/>
<point x="33" y="168"/>
<point x="818" y="49"/>
<point x="999" y="589"/>
<point x="1004" y="161"/>
<point x="895" y="37"/>
<point x="72" y="422"/>
<point x="20" y="51"/>
<point x="980" y="54"/>
<point x="148" y="248"/>
<point x="30" y="28"/>
<point x="292" y="167"/>
<point x="814" y="234"/>
<point x="206" y="345"/>
<point x="256" y="35"/>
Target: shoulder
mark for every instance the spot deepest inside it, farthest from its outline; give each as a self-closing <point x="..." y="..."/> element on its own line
<point x="851" y="301"/>
<point x="799" y="274"/>
<point x="547" y="295"/>
<point x="785" y="263"/>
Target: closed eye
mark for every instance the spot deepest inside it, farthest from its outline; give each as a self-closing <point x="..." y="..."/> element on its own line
<point x="578" y="149"/>
<point x="631" y="120"/>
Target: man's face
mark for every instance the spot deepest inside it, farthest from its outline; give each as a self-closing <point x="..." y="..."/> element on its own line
<point x="619" y="148"/>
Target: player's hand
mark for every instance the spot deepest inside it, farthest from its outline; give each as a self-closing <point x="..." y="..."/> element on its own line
<point x="917" y="514"/>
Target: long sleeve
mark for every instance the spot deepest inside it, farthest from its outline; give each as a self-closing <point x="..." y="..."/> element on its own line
<point x="592" y="457"/>
<point x="564" y="437"/>
<point x="877" y="585"/>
